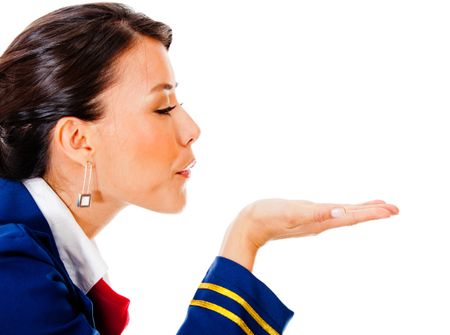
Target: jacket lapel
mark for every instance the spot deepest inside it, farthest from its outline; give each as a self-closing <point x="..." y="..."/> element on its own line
<point x="18" y="206"/>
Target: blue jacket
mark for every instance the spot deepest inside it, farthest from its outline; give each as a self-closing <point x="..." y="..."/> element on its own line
<point x="38" y="297"/>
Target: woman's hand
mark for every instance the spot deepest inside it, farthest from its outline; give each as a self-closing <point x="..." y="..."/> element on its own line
<point x="271" y="219"/>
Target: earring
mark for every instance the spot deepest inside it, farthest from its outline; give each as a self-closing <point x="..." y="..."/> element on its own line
<point x="84" y="198"/>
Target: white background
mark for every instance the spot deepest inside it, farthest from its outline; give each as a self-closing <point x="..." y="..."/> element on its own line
<point x="329" y="101"/>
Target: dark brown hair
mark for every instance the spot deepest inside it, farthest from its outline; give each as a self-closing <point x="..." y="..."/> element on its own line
<point x="57" y="67"/>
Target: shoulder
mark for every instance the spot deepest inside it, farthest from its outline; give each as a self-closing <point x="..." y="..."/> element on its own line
<point x="35" y="293"/>
<point x="17" y="241"/>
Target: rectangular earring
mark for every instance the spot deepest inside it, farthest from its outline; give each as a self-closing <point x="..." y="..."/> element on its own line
<point x="84" y="198"/>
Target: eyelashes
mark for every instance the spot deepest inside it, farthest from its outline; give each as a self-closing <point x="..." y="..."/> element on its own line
<point x="166" y="110"/>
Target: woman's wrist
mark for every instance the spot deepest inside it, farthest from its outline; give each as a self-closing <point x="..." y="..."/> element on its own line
<point x="237" y="246"/>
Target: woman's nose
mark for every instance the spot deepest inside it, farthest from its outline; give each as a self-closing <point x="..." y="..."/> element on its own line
<point x="195" y="133"/>
<point x="189" y="129"/>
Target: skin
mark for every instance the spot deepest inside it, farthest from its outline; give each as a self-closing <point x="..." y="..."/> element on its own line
<point x="136" y="153"/>
<point x="273" y="219"/>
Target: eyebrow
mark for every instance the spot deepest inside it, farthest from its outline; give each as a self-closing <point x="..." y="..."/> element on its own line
<point x="163" y="86"/>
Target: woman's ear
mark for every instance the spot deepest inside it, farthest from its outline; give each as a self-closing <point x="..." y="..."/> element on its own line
<point x="72" y="137"/>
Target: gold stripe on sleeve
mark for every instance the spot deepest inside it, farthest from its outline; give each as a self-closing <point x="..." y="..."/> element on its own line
<point x="225" y="312"/>
<point x="236" y="297"/>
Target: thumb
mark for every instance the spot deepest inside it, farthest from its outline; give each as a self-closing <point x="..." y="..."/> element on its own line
<point x="324" y="212"/>
<point x="317" y="213"/>
<point x="337" y="212"/>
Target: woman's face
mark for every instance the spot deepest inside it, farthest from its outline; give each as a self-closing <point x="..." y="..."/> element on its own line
<point x="138" y="151"/>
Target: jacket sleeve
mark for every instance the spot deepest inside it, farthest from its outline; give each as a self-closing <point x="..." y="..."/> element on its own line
<point x="33" y="296"/>
<point x="231" y="300"/>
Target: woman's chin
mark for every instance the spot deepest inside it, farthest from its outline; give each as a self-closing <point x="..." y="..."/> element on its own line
<point x="172" y="209"/>
<point x="174" y="206"/>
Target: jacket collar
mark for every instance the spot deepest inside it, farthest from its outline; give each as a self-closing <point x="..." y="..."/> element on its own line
<point x="77" y="251"/>
<point x="18" y="206"/>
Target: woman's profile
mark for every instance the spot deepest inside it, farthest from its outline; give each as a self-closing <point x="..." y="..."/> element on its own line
<point x="89" y="124"/>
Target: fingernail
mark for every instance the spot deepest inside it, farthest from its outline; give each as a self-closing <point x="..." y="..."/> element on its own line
<point x="337" y="212"/>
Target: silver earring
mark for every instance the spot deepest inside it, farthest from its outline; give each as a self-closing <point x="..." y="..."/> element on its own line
<point x="84" y="198"/>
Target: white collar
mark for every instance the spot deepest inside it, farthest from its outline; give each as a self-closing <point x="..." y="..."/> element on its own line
<point x="79" y="254"/>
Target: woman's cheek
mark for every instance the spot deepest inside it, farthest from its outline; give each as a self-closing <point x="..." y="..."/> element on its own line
<point x="160" y="144"/>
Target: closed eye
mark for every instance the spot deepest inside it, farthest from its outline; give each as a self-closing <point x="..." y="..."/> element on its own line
<point x="166" y="110"/>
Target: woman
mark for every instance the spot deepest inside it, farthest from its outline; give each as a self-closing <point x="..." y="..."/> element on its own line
<point x="90" y="123"/>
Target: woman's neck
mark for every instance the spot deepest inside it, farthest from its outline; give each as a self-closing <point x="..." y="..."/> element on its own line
<point x="91" y="219"/>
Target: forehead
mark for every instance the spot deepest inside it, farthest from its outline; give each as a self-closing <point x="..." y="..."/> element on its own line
<point x="145" y="65"/>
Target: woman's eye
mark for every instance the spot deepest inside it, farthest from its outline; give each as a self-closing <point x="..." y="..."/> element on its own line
<point x="166" y="110"/>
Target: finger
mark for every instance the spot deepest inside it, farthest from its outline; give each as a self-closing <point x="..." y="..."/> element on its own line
<point x="317" y="213"/>
<point x="314" y="219"/>
<point x="371" y="202"/>
<point x="357" y="216"/>
<point x="392" y="208"/>
<point x="350" y="218"/>
<point x="297" y="213"/>
<point x="374" y="203"/>
<point x="300" y="214"/>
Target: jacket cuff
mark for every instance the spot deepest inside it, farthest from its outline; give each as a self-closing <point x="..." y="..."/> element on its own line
<point x="232" y="281"/>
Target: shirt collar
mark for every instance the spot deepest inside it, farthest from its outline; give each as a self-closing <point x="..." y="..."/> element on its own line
<point x="79" y="254"/>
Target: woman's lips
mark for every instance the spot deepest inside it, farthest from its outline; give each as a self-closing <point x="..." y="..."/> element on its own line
<point x="185" y="173"/>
